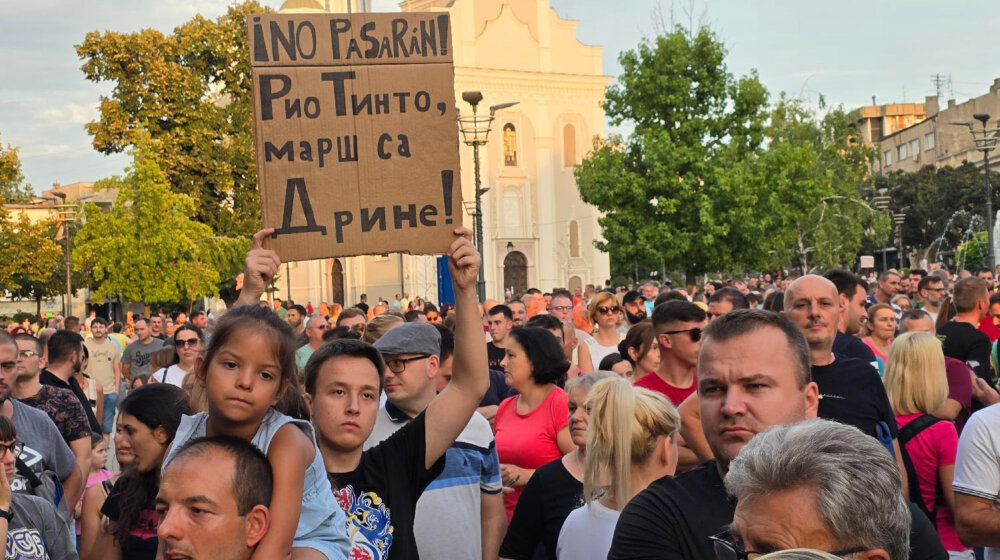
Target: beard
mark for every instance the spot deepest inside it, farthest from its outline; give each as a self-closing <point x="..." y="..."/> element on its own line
<point x="634" y="318"/>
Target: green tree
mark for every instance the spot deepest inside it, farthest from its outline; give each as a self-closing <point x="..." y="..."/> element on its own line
<point x="13" y="189"/>
<point x="809" y="189"/>
<point x="147" y="248"/>
<point x="191" y="91"/>
<point x="974" y="253"/>
<point x="663" y="189"/>
<point x="30" y="258"/>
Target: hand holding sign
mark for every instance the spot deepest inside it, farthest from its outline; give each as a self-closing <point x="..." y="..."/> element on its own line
<point x="464" y="261"/>
<point x="260" y="268"/>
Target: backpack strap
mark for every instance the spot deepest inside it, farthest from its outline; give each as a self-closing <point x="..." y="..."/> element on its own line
<point x="25" y="471"/>
<point x="907" y="433"/>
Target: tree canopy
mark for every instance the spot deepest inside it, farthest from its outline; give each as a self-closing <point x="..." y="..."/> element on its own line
<point x="13" y="189"/>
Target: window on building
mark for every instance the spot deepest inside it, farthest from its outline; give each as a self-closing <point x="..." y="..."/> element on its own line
<point x="509" y="145"/>
<point x="888" y="157"/>
<point x="574" y="239"/>
<point x="929" y="141"/>
<point x="915" y="148"/>
<point x="511" y="219"/>
<point x="901" y="152"/>
<point x="569" y="145"/>
<point x="876" y="129"/>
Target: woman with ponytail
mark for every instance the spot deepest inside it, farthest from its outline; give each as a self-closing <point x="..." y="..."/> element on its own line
<point x="631" y="441"/>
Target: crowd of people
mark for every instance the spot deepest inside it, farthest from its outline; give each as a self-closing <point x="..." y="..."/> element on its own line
<point x="771" y="417"/>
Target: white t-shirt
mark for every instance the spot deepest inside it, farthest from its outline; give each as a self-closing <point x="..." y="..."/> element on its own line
<point x="173" y="375"/>
<point x="598" y="352"/>
<point x="977" y="464"/>
<point x="587" y="532"/>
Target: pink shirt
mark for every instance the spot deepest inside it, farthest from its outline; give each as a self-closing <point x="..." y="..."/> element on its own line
<point x="529" y="440"/>
<point x="930" y="450"/>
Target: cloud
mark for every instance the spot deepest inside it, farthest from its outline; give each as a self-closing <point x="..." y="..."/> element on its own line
<point x="70" y="113"/>
<point x="48" y="150"/>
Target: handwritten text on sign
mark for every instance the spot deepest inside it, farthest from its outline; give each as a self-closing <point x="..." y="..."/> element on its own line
<point x="356" y="136"/>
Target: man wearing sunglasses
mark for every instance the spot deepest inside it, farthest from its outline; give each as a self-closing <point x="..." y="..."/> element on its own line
<point x="315" y="327"/>
<point x="678" y="326"/>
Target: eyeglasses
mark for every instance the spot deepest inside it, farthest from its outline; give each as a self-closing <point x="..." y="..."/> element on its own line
<point x="607" y="310"/>
<point x="398" y="365"/>
<point x="27" y="353"/>
<point x="561" y="308"/>
<point x="726" y="549"/>
<point x="14" y="448"/>
<point x="189" y="342"/>
<point x="320" y="327"/>
<point x="694" y="332"/>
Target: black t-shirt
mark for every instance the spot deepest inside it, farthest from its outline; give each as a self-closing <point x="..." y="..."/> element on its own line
<point x="142" y="542"/>
<point x="49" y="378"/>
<point x="498" y="390"/>
<point x="851" y="392"/>
<point x="380" y="495"/>
<point x="852" y="347"/>
<point x="547" y="499"/>
<point x="673" y="518"/>
<point x="965" y="342"/>
<point x="495" y="355"/>
<point x="362" y="306"/>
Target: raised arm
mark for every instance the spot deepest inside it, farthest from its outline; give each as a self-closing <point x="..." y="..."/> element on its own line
<point x="450" y="411"/>
<point x="261" y="266"/>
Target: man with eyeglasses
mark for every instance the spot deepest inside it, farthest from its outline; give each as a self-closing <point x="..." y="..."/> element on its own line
<point x="461" y="513"/>
<point x="931" y="294"/>
<point x="678" y="326"/>
<point x="754" y="372"/>
<point x="315" y="327"/>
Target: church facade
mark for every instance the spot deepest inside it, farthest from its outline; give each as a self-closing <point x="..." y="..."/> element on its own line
<point x="536" y="230"/>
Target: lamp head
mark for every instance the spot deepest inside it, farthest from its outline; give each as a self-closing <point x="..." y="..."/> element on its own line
<point x="472" y="97"/>
<point x="982" y="117"/>
<point x="495" y="108"/>
<point x="962" y="123"/>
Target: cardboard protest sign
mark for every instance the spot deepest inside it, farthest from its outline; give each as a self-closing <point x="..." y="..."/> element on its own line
<point x="356" y="133"/>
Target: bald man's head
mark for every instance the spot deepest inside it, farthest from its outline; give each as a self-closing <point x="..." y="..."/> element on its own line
<point x="813" y="304"/>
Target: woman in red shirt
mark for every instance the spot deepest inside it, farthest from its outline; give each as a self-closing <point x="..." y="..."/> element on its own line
<point x="531" y="428"/>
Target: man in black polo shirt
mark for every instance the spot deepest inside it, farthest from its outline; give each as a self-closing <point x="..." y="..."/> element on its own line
<point x="65" y="358"/>
<point x="961" y="336"/>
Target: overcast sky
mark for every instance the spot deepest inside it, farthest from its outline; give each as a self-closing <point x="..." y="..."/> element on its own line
<point x="848" y="51"/>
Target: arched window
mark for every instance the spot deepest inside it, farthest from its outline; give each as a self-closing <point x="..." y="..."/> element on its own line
<point x="509" y="145"/>
<point x="569" y="145"/>
<point x="574" y="239"/>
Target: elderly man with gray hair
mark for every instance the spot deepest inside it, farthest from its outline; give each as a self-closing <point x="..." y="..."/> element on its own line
<point x="817" y="484"/>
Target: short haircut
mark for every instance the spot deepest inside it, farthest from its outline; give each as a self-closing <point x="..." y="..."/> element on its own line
<point x="545" y="321"/>
<point x="301" y="310"/>
<point x="543" y="350"/>
<point x="116" y="327"/>
<point x="918" y="272"/>
<point x="746" y="321"/>
<point x="983" y="269"/>
<point x="62" y="344"/>
<point x="337" y="333"/>
<point x="71" y="322"/>
<point x="969" y="292"/>
<point x="501" y="308"/>
<point x="140" y="319"/>
<point x="39" y="347"/>
<point x="854" y="479"/>
<point x="350" y="313"/>
<point x="926" y="282"/>
<point x="912" y="315"/>
<point x="195" y="314"/>
<point x="253" y="480"/>
<point x="677" y="312"/>
<point x="412" y="315"/>
<point x="995" y="298"/>
<point x="447" y="341"/>
<point x="732" y="295"/>
<point x="884" y="276"/>
<point x="669" y="295"/>
<point x="342" y="347"/>
<point x="847" y="284"/>
<point x="99" y="321"/>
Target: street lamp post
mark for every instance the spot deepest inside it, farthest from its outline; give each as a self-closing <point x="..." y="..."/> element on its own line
<point x="898" y="218"/>
<point x="475" y="133"/>
<point x="67" y="214"/>
<point x="986" y="141"/>
<point x="881" y="203"/>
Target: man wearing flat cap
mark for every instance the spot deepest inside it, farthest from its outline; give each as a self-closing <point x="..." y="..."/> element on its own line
<point x="461" y="513"/>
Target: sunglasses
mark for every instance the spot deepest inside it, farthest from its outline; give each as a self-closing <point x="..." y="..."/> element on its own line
<point x="189" y="342"/>
<point x="695" y="333"/>
<point x="606" y="310"/>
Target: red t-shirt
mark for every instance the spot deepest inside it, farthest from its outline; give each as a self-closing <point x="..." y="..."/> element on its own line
<point x="529" y="440"/>
<point x="989" y="329"/>
<point x="675" y="395"/>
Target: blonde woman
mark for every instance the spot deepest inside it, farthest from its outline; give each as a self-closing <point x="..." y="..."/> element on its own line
<point x="631" y="441"/>
<point x="917" y="385"/>
<point x="604" y="313"/>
